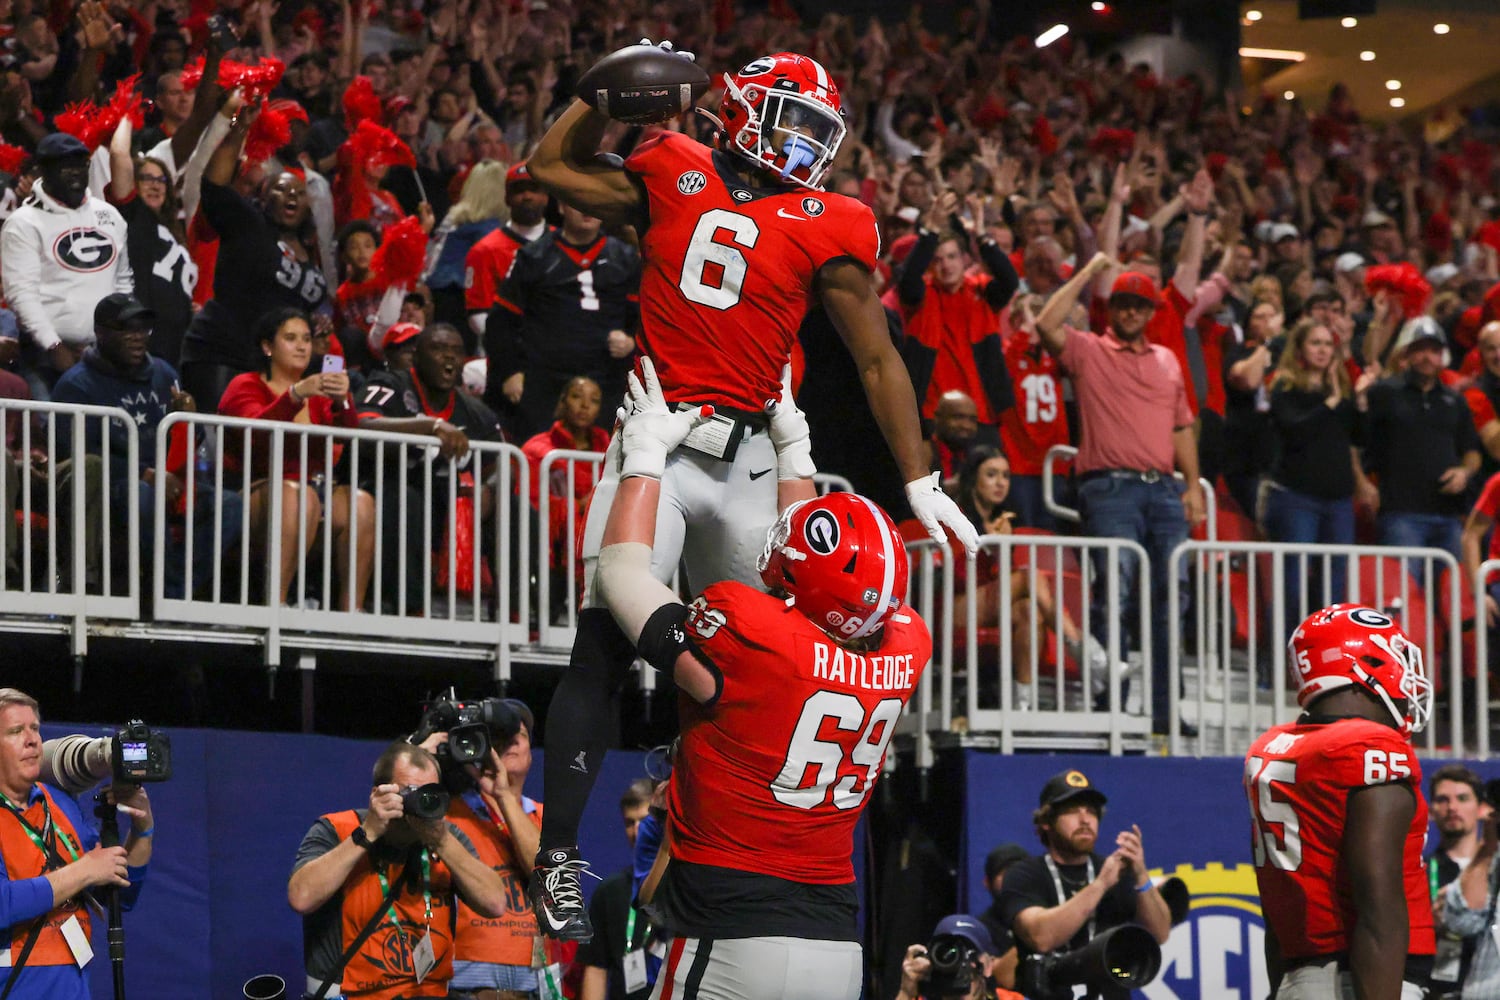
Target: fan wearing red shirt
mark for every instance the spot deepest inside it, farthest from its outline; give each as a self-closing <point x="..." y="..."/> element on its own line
<point x="788" y="701"/>
<point x="1038" y="421"/>
<point x="488" y="260"/>
<point x="1338" y="819"/>
<point x="737" y="240"/>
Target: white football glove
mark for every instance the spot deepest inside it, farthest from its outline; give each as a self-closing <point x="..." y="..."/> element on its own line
<point x="667" y="46"/>
<point x="652" y="428"/>
<point x="935" y="509"/>
<point x="790" y="434"/>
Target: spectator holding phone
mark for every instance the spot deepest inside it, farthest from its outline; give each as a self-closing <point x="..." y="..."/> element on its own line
<point x="280" y="392"/>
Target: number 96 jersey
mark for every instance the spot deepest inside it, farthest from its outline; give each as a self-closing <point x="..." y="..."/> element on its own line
<point x="729" y="269"/>
<point x="1299" y="779"/>
<point x="771" y="777"/>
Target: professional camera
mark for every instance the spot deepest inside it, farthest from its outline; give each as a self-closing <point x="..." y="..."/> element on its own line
<point x="472" y="727"/>
<point x="955" y="963"/>
<point x="1115" y="962"/>
<point x="136" y="754"/>
<point x="425" y="801"/>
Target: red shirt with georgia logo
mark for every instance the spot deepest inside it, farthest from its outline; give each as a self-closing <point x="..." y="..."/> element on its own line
<point x="729" y="269"/>
<point x="774" y="773"/>
<point x="1038" y="420"/>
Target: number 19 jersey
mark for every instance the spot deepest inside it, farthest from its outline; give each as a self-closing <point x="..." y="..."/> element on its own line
<point x="729" y="269"/>
<point x="771" y="777"/>
<point x="1299" y="778"/>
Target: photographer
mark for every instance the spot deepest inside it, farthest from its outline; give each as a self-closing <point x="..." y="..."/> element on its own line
<point x="1466" y="907"/>
<point x="1459" y="806"/>
<point x="957" y="963"/>
<point x="50" y="853"/>
<point x="383" y="883"/>
<point x="1066" y="897"/>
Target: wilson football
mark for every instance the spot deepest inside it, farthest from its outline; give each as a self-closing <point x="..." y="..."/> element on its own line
<point x="642" y="85"/>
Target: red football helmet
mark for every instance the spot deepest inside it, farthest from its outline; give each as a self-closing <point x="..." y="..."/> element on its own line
<point x="841" y="559"/>
<point x="1350" y="644"/>
<point x="783" y="112"/>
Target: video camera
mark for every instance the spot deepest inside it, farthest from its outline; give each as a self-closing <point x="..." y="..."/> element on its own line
<point x="472" y="727"/>
<point x="137" y="754"/>
<point x="1121" y="959"/>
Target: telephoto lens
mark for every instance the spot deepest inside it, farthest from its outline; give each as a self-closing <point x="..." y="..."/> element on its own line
<point x="425" y="801"/>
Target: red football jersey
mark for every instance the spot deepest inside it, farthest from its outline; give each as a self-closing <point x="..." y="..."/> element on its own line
<point x="772" y="777"/>
<point x="1038" y="420"/>
<point x="485" y="267"/>
<point x="729" y="270"/>
<point x="1298" y="779"/>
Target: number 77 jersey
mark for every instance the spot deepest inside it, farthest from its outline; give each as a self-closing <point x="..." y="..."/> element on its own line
<point x="1298" y="778"/>
<point x="772" y="776"/>
<point x="729" y="269"/>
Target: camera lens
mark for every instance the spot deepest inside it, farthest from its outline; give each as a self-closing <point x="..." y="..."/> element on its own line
<point x="468" y="743"/>
<point x="425" y="801"/>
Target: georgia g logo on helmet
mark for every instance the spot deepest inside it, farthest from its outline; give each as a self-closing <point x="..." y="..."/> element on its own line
<point x="821" y="532"/>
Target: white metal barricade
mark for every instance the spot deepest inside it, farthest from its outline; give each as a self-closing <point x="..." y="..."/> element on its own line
<point x="1248" y="597"/>
<point x="413" y="501"/>
<point x="1066" y="453"/>
<point x="1481" y="583"/>
<point x="559" y="565"/>
<point x="71" y="510"/>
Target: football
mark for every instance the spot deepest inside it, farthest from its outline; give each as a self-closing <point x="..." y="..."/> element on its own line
<point x="642" y="85"/>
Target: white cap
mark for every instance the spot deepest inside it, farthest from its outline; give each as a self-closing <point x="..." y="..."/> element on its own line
<point x="909" y="214"/>
<point x="1417" y="329"/>
<point x="1347" y="262"/>
<point x="475" y="374"/>
<point x="1283" y="231"/>
<point x="1441" y="274"/>
<point x="1135" y="224"/>
<point x="1375" y="217"/>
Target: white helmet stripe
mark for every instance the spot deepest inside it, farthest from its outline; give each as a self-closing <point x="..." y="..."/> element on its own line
<point x="888" y="551"/>
<point x="822" y="78"/>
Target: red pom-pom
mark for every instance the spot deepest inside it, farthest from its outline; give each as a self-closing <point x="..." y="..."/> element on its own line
<point x="1116" y="142"/>
<point x="192" y="74"/>
<point x="12" y="159"/>
<point x="401" y="255"/>
<point x="1403" y="281"/>
<point x="361" y="103"/>
<point x="272" y="129"/>
<point x="254" y="80"/>
<point x="74" y="119"/>
<point x="374" y="145"/>
<point x="1043" y="136"/>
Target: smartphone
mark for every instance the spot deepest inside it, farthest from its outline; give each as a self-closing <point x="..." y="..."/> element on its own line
<point x="333" y="363"/>
<point x="222" y="32"/>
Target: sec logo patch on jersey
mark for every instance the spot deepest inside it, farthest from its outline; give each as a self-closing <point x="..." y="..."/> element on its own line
<point x="84" y="250"/>
<point x="691" y="182"/>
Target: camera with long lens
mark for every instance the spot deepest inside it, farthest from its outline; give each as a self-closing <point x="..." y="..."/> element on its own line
<point x="955" y="963"/>
<point x="1113" y="963"/>
<point x="137" y="754"/>
<point x="425" y="801"/>
<point x="472" y="727"/>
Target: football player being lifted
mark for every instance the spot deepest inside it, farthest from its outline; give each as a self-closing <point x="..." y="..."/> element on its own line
<point x="1338" y="818"/>
<point x="788" y="702"/>
<point x="736" y="240"/>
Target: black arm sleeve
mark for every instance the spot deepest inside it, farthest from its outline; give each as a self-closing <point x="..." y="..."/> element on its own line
<point x="911" y="285"/>
<point x="1000" y="290"/>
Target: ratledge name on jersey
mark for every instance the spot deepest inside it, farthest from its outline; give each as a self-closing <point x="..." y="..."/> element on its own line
<point x="834" y="663"/>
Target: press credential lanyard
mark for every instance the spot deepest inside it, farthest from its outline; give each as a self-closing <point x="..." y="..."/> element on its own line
<point x="1063" y="898"/>
<point x="40" y="838"/>
<point x="385" y="887"/>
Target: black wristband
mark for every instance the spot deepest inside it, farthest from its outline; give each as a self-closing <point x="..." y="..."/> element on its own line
<point x="362" y="839"/>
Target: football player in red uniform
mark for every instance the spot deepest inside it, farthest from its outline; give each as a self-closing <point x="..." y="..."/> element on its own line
<point x="736" y="240"/>
<point x="788" y="702"/>
<point x="1338" y="818"/>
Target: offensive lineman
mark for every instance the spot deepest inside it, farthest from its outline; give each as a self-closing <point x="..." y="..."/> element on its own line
<point x="789" y="700"/>
<point x="1338" y="818"/>
<point x="735" y="241"/>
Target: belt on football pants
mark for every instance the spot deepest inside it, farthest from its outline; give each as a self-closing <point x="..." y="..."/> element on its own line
<point x="720" y="436"/>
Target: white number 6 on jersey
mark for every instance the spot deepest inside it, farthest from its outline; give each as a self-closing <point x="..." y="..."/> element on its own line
<point x="703" y="250"/>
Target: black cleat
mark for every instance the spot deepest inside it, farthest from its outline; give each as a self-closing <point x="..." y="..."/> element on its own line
<point x="557" y="895"/>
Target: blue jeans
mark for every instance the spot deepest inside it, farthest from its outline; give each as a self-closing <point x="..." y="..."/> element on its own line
<point x="1026" y="500"/>
<point x="1433" y="531"/>
<point x="1290" y="516"/>
<point x="174" y="565"/>
<point x="1150" y="514"/>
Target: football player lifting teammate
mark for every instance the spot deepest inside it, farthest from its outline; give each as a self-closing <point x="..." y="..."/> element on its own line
<point x="789" y="700"/>
<point x="1338" y="818"/>
<point x="736" y="240"/>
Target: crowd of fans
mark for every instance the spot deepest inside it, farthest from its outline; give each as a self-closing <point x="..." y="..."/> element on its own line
<point x="1336" y="312"/>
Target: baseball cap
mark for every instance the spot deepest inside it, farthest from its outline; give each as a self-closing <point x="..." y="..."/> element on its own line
<point x="1136" y="285"/>
<point x="397" y="104"/>
<point x="961" y="925"/>
<point x="518" y="174"/>
<point x="59" y="146"/>
<point x="1283" y="231"/>
<point x="1375" y="217"/>
<point x="524" y="711"/>
<point x="1002" y="858"/>
<point x="1349" y="261"/>
<point x="1070" y="785"/>
<point x="1420" y="330"/>
<point x="117" y="309"/>
<point x="399" y="333"/>
<point x="1442" y="274"/>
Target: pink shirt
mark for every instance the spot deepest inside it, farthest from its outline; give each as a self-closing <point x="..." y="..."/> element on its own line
<point x="1130" y="401"/>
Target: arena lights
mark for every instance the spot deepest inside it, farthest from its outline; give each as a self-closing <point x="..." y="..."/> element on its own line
<point x="1285" y="55"/>
<point x="1398" y="102"/>
<point x="1349" y="22"/>
<point x="1290" y="95"/>
<point x="1440" y="29"/>
<point x="1253" y="15"/>
<point x="1393" y="85"/>
<point x="1051" y="35"/>
<point x="1099" y="8"/>
<point x="1367" y="56"/>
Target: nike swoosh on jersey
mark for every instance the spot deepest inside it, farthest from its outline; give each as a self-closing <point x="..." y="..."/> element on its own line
<point x="757" y="475"/>
<point x="788" y="215"/>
